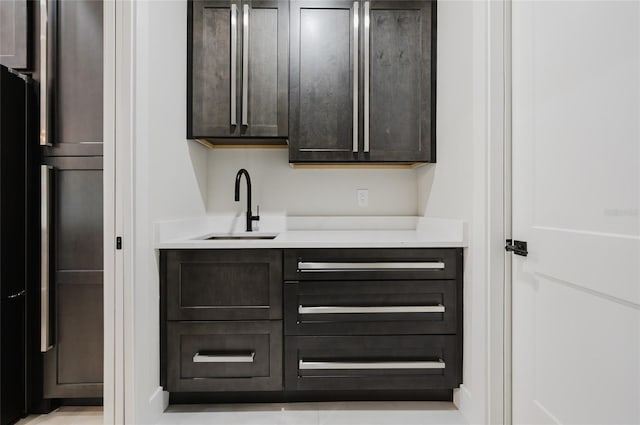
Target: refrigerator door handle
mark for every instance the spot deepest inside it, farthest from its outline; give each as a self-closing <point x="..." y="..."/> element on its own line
<point x="45" y="226"/>
<point x="44" y="73"/>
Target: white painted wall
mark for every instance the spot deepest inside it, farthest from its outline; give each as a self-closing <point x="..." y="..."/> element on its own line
<point x="457" y="185"/>
<point x="279" y="188"/>
<point x="175" y="178"/>
<point x="169" y="178"/>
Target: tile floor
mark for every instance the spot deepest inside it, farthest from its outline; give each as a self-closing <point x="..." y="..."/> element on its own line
<point x="67" y="415"/>
<point x="345" y="413"/>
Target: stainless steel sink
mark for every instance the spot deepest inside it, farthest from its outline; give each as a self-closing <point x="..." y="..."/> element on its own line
<point x="242" y="237"/>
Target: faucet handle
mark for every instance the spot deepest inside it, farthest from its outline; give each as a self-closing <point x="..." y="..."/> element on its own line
<point x="257" y="217"/>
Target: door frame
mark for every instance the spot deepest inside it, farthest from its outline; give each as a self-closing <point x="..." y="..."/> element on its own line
<point x="499" y="212"/>
<point x="118" y="211"/>
<point x="491" y="217"/>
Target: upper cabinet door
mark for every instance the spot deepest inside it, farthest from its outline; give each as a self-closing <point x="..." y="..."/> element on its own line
<point x="399" y="50"/>
<point x="323" y="74"/>
<point x="362" y="81"/>
<point x="214" y="69"/>
<point x="14" y="30"/>
<point x="72" y="78"/>
<point x="237" y="70"/>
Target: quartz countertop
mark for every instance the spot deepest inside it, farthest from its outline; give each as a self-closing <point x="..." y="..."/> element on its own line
<point x="312" y="232"/>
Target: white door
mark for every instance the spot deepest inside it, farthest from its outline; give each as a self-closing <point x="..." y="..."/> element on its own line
<point x="576" y="190"/>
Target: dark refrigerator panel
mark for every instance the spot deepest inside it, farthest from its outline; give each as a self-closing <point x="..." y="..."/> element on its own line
<point x="13" y="172"/>
<point x="71" y="165"/>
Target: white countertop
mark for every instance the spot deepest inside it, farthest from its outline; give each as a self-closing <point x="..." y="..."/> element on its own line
<point x="313" y="232"/>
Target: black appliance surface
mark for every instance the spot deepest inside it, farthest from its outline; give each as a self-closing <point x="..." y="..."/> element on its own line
<point x="13" y="89"/>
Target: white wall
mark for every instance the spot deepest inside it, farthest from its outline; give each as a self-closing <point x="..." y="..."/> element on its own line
<point x="169" y="178"/>
<point x="175" y="178"/>
<point x="278" y="188"/>
<point x="457" y="185"/>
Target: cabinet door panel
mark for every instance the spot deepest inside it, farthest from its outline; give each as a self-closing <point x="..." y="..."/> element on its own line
<point x="79" y="330"/>
<point x="224" y="284"/>
<point x="268" y="73"/>
<point x="258" y="94"/>
<point x="321" y="87"/>
<point x="211" y="69"/>
<point x="401" y="102"/>
<point x="224" y="356"/>
<point x="73" y="367"/>
<point x="79" y="72"/>
<point x="14" y="30"/>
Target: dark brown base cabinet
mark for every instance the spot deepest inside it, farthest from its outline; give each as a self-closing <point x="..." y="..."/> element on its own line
<point x="351" y="324"/>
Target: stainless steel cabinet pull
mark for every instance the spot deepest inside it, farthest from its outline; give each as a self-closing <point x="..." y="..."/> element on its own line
<point x="305" y="266"/>
<point x="224" y="358"/>
<point x="234" y="59"/>
<point x="371" y="310"/>
<point x="311" y="365"/>
<point x="367" y="25"/>
<point x="45" y="199"/>
<point x="245" y="64"/>
<point x="356" y="17"/>
<point x="44" y="73"/>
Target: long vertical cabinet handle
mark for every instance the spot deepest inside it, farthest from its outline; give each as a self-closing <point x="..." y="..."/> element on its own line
<point x="44" y="73"/>
<point x="45" y="221"/>
<point x="234" y="60"/>
<point x="367" y="25"/>
<point x="245" y="64"/>
<point x="356" y="17"/>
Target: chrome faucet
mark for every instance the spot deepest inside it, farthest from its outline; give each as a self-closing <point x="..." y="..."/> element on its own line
<point x="250" y="216"/>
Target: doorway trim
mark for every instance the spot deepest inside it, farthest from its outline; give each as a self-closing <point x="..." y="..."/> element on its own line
<point x="118" y="262"/>
<point x="499" y="213"/>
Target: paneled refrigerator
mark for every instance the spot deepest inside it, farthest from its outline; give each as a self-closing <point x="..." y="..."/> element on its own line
<point x="13" y="233"/>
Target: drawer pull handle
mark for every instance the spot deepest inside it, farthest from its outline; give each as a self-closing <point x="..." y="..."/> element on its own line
<point x="306" y="266"/>
<point x="224" y="358"/>
<point x="311" y="365"/>
<point x="366" y="310"/>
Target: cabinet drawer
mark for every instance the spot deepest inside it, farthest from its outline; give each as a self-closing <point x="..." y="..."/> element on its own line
<point x="370" y="307"/>
<point x="375" y="264"/>
<point x="224" y="356"/>
<point x="223" y="284"/>
<point x="397" y="362"/>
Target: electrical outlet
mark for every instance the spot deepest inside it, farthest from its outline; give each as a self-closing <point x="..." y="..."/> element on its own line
<point x="363" y="197"/>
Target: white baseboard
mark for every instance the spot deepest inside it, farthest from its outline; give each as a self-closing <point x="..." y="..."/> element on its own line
<point x="462" y="400"/>
<point x="158" y="403"/>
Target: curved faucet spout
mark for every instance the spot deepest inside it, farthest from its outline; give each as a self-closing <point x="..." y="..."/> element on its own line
<point x="250" y="217"/>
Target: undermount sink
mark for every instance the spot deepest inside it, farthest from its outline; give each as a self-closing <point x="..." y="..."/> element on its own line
<point x="242" y="237"/>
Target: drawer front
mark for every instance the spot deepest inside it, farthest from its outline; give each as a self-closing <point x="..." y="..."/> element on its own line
<point x="370" y="307"/>
<point x="396" y="362"/>
<point x="224" y="356"/>
<point x="376" y="264"/>
<point x="223" y="284"/>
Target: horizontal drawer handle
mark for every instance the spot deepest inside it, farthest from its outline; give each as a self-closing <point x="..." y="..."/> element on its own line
<point x="306" y="266"/>
<point x="224" y="358"/>
<point x="367" y="310"/>
<point x="310" y="365"/>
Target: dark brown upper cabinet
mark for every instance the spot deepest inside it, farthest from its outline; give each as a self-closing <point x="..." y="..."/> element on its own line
<point x="237" y="83"/>
<point x="362" y="81"/>
<point x="14" y="34"/>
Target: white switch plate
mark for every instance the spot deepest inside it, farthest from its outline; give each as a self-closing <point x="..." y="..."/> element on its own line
<point x="363" y="197"/>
